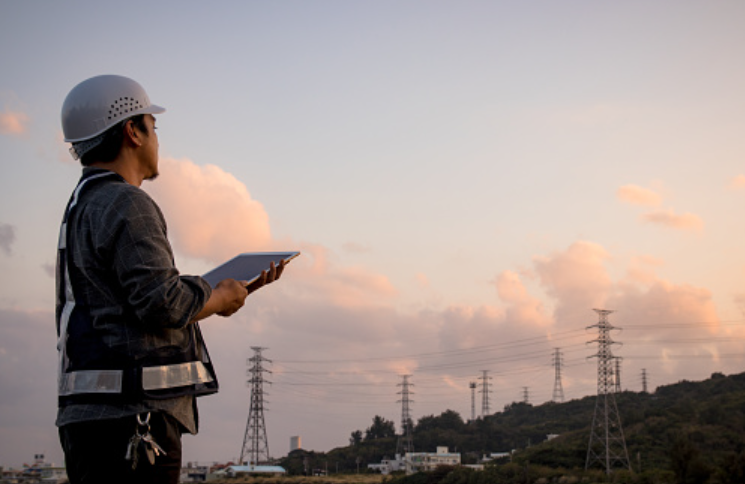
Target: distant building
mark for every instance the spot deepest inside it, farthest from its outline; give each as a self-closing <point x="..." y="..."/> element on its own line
<point x="496" y="456"/>
<point x="193" y="472"/>
<point x="387" y="466"/>
<point x="39" y="471"/>
<point x="295" y="443"/>
<point x="234" y="471"/>
<point x="427" y="461"/>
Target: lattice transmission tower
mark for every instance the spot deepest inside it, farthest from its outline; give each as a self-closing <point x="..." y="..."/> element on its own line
<point x="255" y="448"/>
<point x="644" y="380"/>
<point x="607" y="445"/>
<point x="406" y="439"/>
<point x="558" y="362"/>
<point x="617" y="379"/>
<point x="484" y="392"/>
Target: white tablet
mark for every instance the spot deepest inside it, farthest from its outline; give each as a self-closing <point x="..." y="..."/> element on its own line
<point x="247" y="267"/>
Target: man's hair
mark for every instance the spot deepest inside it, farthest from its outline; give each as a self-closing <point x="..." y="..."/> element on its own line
<point x="111" y="142"/>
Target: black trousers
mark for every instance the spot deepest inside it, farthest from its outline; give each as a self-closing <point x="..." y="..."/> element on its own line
<point x="95" y="450"/>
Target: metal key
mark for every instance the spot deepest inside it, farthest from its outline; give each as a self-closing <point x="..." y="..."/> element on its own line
<point x="132" y="449"/>
<point x="157" y="449"/>
<point x="149" y="452"/>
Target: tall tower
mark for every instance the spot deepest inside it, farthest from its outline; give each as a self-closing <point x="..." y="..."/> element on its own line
<point x="405" y="441"/>
<point x="485" y="392"/>
<point x="607" y="445"/>
<point x="558" y="361"/>
<point x="472" y="386"/>
<point x="526" y="395"/>
<point x="644" y="380"/>
<point x="618" y="373"/>
<point x="255" y="448"/>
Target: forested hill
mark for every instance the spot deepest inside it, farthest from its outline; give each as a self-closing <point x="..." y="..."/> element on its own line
<point x="700" y="425"/>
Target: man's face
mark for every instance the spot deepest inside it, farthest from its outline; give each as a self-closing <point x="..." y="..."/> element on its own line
<point x="149" y="149"/>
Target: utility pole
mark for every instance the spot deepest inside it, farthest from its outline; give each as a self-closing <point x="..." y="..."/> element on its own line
<point x="472" y="386"/>
<point x="405" y="441"/>
<point x="558" y="396"/>
<point x="607" y="445"/>
<point x="255" y="443"/>
<point x="644" y="380"/>
<point x="485" y="393"/>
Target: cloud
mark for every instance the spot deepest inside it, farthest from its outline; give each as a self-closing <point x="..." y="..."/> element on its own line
<point x="737" y="182"/>
<point x="13" y="123"/>
<point x="637" y="195"/>
<point x="422" y="280"/>
<point x="670" y="219"/>
<point x="211" y="215"/>
<point x="7" y="237"/>
<point x="576" y="279"/>
<point x="522" y="308"/>
<point x="355" y="248"/>
<point x="320" y="278"/>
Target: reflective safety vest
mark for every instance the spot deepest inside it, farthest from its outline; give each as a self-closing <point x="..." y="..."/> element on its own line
<point x="92" y="372"/>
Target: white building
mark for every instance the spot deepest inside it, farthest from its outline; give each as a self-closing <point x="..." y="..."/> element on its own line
<point x="233" y="471"/>
<point x="427" y="461"/>
<point x="387" y="466"/>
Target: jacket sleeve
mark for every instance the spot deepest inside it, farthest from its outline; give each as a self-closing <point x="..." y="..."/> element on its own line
<point x="143" y="264"/>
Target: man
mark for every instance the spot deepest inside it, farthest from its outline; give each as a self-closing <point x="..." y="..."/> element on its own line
<point x="132" y="359"/>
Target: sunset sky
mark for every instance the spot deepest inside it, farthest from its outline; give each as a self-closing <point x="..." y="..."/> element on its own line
<point x="465" y="180"/>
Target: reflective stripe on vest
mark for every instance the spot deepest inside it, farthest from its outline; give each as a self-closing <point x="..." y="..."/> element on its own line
<point x="153" y="378"/>
<point x="111" y="381"/>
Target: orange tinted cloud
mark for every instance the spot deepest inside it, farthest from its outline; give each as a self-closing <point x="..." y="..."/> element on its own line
<point x="738" y="182"/>
<point x="668" y="218"/>
<point x="211" y="215"/>
<point x="13" y="122"/>
<point x="577" y="279"/>
<point x="319" y="278"/>
<point x="637" y="195"/>
<point x="521" y="308"/>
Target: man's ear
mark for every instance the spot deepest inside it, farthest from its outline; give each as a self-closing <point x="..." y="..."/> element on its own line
<point x="131" y="134"/>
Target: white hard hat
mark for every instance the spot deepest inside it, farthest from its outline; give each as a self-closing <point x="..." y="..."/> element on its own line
<point x="98" y="103"/>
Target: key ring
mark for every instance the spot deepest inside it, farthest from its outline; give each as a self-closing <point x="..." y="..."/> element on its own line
<point x="146" y="423"/>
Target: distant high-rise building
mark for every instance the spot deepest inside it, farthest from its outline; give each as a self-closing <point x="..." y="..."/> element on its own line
<point x="295" y="443"/>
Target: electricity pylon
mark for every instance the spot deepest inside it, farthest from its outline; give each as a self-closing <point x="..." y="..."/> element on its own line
<point x="255" y="443"/>
<point x="607" y="445"/>
<point x="405" y="441"/>
<point x="618" y="373"/>
<point x="485" y="393"/>
<point x="558" y="395"/>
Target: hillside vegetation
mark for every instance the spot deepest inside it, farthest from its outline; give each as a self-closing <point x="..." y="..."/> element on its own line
<point x="685" y="432"/>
